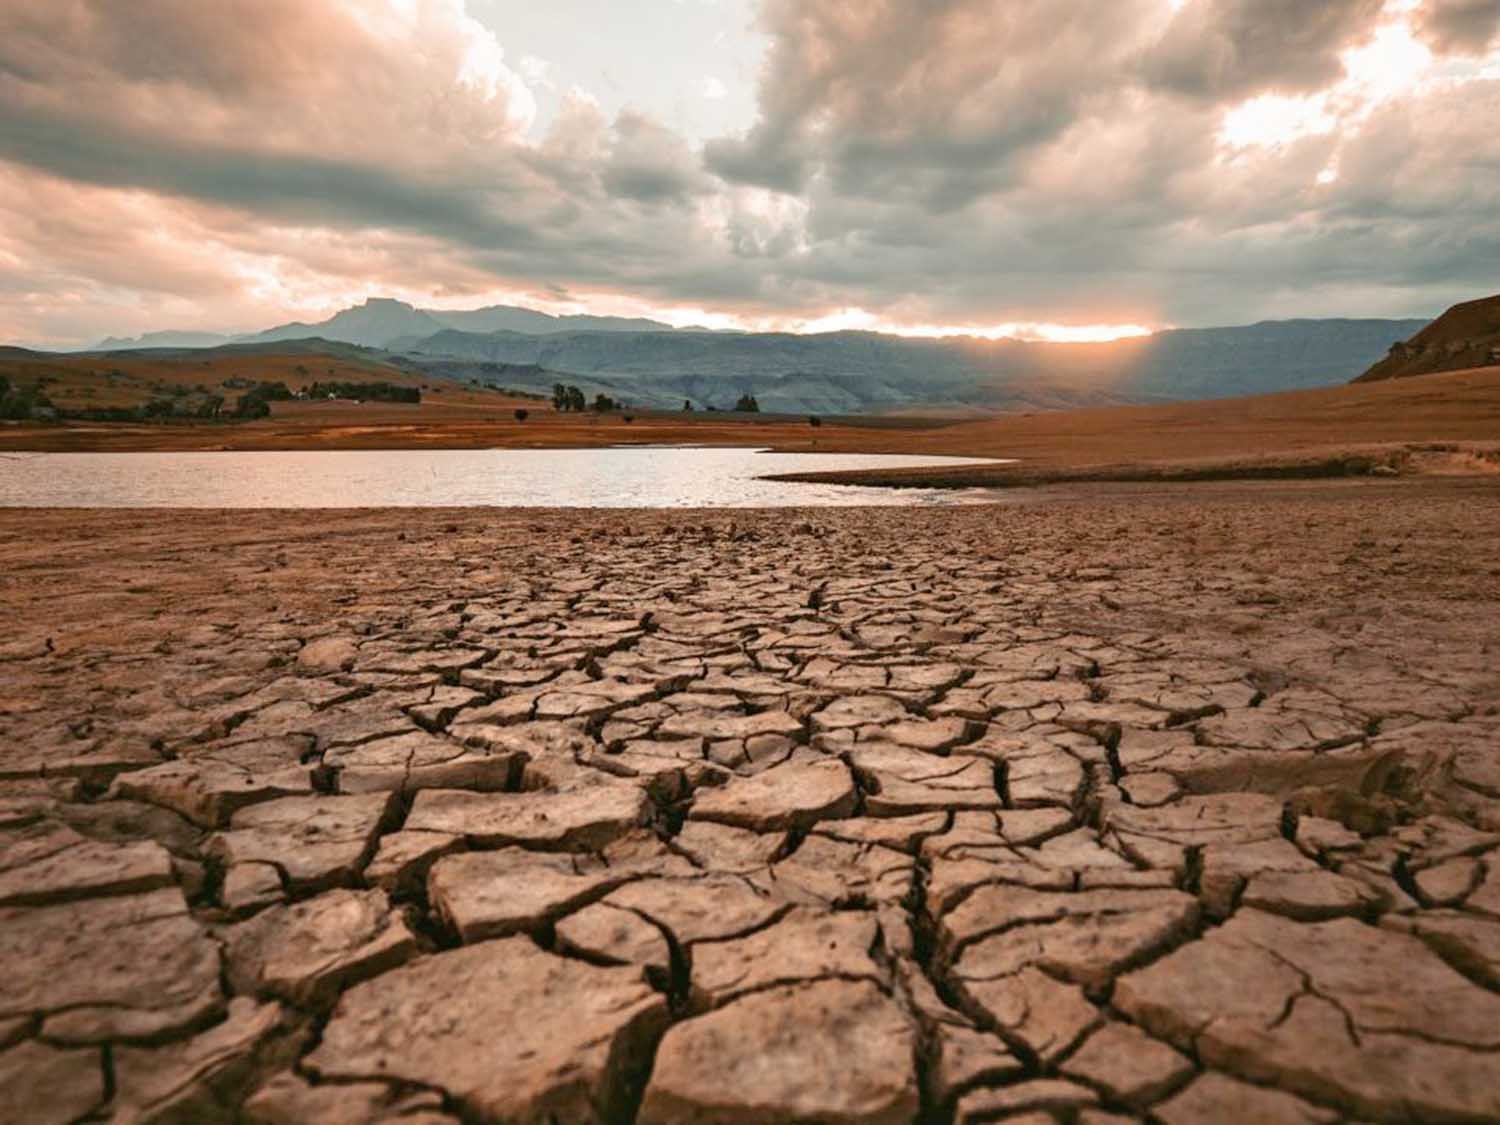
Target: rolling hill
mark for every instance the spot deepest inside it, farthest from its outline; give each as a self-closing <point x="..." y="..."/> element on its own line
<point x="91" y="381"/>
<point x="1467" y="335"/>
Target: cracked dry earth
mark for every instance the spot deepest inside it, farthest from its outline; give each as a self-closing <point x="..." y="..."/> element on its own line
<point x="1128" y="805"/>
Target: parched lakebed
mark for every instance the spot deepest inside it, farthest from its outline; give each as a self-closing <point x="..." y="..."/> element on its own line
<point x="1137" y="802"/>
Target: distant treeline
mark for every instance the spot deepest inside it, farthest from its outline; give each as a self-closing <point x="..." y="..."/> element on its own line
<point x="256" y="402"/>
<point x="570" y="398"/>
<point x="365" y="392"/>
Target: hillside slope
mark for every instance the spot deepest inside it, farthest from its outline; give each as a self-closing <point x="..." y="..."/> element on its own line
<point x="1467" y="335"/>
<point x="86" y="381"/>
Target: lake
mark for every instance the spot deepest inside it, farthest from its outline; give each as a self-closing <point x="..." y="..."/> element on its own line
<point x="621" y="477"/>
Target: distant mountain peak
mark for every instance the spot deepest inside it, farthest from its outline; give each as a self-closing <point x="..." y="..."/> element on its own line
<point x="166" y="339"/>
<point x="381" y="322"/>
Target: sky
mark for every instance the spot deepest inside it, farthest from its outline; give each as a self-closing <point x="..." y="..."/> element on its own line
<point x="1059" y="169"/>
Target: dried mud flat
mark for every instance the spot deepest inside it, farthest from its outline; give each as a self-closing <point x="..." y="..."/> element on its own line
<point x="1134" y="804"/>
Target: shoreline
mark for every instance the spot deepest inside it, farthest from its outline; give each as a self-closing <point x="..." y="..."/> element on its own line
<point x="1394" y="460"/>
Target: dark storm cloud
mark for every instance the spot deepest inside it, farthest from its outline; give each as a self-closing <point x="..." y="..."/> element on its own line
<point x="940" y="161"/>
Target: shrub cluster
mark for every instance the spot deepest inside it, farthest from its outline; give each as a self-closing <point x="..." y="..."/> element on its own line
<point x="23" y="403"/>
<point x="256" y="402"/>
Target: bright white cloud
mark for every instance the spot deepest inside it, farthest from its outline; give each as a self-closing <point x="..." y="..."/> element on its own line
<point x="1273" y="119"/>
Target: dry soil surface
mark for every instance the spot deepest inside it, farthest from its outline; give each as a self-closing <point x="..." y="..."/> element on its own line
<point x="1181" y="804"/>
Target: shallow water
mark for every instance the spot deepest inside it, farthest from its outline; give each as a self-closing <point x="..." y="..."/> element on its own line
<point x="634" y="477"/>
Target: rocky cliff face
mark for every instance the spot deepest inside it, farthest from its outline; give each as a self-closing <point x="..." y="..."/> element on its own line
<point x="1467" y="335"/>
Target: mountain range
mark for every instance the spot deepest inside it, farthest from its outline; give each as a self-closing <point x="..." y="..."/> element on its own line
<point x="649" y="364"/>
<point x="380" y="320"/>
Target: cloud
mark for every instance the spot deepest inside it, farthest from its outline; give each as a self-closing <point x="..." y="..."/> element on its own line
<point x="1024" y="159"/>
<point x="649" y="163"/>
<point x="929" y="99"/>
<point x="1460" y="26"/>
<point x="167" y="163"/>
<point x="1241" y="48"/>
<point x="277" y="104"/>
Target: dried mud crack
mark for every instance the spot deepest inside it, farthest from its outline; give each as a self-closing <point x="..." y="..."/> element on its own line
<point x="1180" y="806"/>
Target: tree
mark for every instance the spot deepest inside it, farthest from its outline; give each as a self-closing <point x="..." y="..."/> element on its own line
<point x="522" y="414"/>
<point x="565" y="398"/>
<point x="687" y="406"/>
<point x="747" y="405"/>
<point x="627" y="418"/>
<point x="814" y="421"/>
<point x="20" y="403"/>
<point x="252" y="406"/>
<point x="603" y="403"/>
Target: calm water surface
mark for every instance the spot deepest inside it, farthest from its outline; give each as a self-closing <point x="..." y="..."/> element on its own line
<point x="638" y="477"/>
